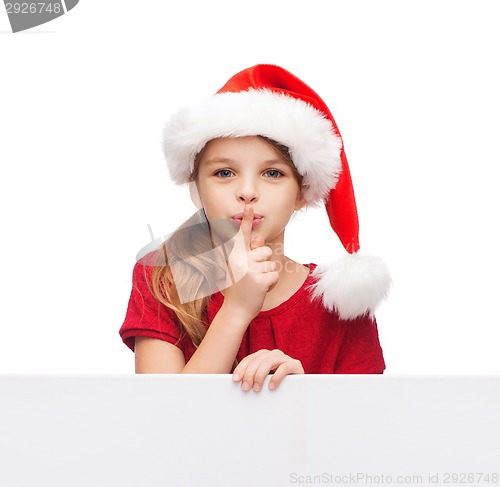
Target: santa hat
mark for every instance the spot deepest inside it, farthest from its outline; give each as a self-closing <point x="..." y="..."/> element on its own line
<point x="269" y="101"/>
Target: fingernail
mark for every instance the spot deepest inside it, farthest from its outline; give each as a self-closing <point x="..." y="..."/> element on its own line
<point x="236" y="377"/>
<point x="245" y="386"/>
<point x="272" y="386"/>
<point x="256" y="387"/>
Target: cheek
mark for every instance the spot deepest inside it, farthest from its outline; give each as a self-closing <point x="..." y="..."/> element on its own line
<point x="293" y="194"/>
<point x="204" y="191"/>
<point x="212" y="199"/>
<point x="286" y="209"/>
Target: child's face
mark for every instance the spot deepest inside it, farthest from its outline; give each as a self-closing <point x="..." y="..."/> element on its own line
<point x="247" y="170"/>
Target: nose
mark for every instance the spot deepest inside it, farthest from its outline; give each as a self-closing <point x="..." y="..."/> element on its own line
<point x="247" y="192"/>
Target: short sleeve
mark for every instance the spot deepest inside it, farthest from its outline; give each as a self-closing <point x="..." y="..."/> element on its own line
<point x="146" y="316"/>
<point x="360" y="351"/>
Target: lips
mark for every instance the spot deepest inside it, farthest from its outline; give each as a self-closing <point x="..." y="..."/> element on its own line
<point x="239" y="218"/>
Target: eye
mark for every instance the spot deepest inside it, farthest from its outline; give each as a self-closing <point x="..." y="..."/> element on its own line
<point x="274" y="173"/>
<point x="223" y="173"/>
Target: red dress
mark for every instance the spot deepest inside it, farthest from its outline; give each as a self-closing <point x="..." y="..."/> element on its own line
<point x="302" y="329"/>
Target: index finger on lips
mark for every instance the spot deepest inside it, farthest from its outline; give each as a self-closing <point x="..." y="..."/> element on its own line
<point x="246" y="225"/>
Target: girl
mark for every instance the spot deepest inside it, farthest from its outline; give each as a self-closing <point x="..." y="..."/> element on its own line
<point x="220" y="295"/>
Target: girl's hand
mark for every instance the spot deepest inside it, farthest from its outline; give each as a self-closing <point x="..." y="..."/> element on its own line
<point x="251" y="267"/>
<point x="254" y="368"/>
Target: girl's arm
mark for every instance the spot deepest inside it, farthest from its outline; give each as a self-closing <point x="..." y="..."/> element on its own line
<point x="155" y="356"/>
<point x="215" y="354"/>
<point x="243" y="300"/>
<point x="218" y="349"/>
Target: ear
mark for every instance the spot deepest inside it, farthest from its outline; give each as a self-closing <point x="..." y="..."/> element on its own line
<point x="300" y="201"/>
<point x="195" y="195"/>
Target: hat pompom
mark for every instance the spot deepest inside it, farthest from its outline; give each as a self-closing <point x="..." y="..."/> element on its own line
<point x="353" y="285"/>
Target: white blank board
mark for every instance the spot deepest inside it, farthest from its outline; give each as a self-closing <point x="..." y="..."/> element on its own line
<point x="203" y="430"/>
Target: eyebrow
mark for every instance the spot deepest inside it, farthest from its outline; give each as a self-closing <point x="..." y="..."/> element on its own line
<point x="225" y="160"/>
<point x="216" y="160"/>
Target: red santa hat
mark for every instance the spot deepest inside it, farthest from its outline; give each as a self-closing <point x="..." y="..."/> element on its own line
<point x="269" y="101"/>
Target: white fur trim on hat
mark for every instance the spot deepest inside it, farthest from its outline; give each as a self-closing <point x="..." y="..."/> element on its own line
<point x="353" y="285"/>
<point x="309" y="135"/>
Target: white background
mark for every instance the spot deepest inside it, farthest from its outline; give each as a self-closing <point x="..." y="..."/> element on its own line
<point x="413" y="87"/>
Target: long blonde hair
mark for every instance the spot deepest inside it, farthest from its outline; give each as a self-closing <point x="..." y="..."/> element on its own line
<point x="187" y="248"/>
